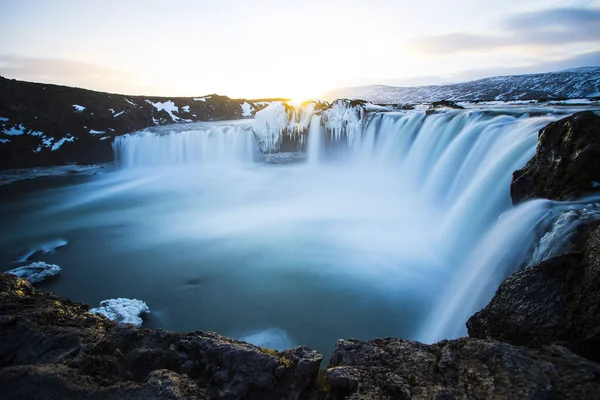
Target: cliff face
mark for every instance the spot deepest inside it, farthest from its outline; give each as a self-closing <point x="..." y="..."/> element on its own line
<point x="567" y="161"/>
<point x="43" y="124"/>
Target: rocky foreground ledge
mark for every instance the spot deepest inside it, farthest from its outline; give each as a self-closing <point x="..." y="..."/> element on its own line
<point x="53" y="348"/>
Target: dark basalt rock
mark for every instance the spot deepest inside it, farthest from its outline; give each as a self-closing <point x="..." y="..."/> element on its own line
<point x="54" y="348"/>
<point x="556" y="301"/>
<point x="446" y="104"/>
<point x="567" y="161"/>
<point x="459" y="369"/>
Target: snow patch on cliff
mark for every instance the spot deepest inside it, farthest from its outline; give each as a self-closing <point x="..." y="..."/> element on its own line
<point x="58" y="144"/>
<point x="168" y="106"/>
<point x="247" y="109"/>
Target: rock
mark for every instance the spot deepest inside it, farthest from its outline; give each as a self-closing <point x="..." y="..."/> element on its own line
<point x="465" y="368"/>
<point x="445" y="104"/>
<point x="55" y="348"/>
<point x="556" y="301"/>
<point x="567" y="161"/>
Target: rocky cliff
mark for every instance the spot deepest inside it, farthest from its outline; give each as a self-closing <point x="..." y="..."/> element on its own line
<point x="42" y="124"/>
<point x="567" y="161"/>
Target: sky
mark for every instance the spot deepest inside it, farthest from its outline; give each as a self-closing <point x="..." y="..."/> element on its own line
<point x="297" y="49"/>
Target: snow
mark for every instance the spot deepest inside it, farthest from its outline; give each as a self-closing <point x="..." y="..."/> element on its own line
<point x="105" y="137"/>
<point x="124" y="311"/>
<point x="570" y="84"/>
<point x="58" y="144"/>
<point x="15" y="131"/>
<point x="247" y="109"/>
<point x="36" y="133"/>
<point x="94" y="132"/>
<point x="4" y="140"/>
<point x="130" y="102"/>
<point x="2" y="119"/>
<point x="186" y="109"/>
<point x="168" y="106"/>
<point x="572" y="102"/>
<point x="269" y="125"/>
<point x="78" y="108"/>
<point x="118" y="114"/>
<point x="37" y="149"/>
<point x="202" y="98"/>
<point x="47" y="141"/>
<point x="43" y="248"/>
<point x="35" y="272"/>
<point x="112" y="110"/>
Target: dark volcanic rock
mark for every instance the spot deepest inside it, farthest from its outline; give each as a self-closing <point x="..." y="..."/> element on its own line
<point x="35" y="117"/>
<point x="567" y="161"/>
<point x="55" y="349"/>
<point x="556" y="301"/>
<point x="458" y="369"/>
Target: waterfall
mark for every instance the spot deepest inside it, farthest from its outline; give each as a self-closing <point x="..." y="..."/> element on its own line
<point x="454" y="165"/>
<point x="189" y="144"/>
<point x="315" y="141"/>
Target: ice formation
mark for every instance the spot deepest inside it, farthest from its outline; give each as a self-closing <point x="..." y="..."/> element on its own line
<point x="35" y="272"/>
<point x="344" y="118"/>
<point x="124" y="311"/>
<point x="269" y="124"/>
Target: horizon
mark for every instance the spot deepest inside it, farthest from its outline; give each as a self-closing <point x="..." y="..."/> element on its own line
<point x="281" y="98"/>
<point x="271" y="50"/>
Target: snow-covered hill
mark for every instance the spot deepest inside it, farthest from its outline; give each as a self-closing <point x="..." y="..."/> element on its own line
<point x="569" y="84"/>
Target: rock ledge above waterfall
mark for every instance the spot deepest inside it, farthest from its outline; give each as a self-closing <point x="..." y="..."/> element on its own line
<point x="567" y="161"/>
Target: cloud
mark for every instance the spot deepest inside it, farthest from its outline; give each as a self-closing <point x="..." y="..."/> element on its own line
<point x="72" y="73"/>
<point x="542" y="28"/>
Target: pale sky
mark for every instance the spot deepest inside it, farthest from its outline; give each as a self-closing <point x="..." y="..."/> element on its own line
<point x="278" y="48"/>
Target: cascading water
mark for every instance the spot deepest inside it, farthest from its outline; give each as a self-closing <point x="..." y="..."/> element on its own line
<point x="199" y="143"/>
<point x="315" y="141"/>
<point x="406" y="235"/>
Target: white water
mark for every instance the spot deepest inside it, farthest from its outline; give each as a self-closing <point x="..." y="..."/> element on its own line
<point x="315" y="141"/>
<point x="407" y="235"/>
<point x="426" y="195"/>
<point x="190" y="144"/>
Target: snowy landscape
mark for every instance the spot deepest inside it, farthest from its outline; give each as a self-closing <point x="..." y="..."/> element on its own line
<point x="410" y="224"/>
